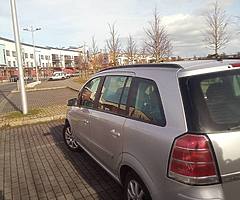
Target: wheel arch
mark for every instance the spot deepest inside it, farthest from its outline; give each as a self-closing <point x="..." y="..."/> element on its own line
<point x="131" y="164"/>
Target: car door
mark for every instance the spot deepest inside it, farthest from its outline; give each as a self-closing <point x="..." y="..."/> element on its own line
<point x="80" y="115"/>
<point x="108" y="119"/>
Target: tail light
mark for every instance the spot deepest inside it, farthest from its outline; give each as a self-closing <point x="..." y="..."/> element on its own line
<point x="192" y="161"/>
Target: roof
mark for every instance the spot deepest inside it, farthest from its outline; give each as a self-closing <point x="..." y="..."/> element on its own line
<point x="40" y="47"/>
<point x="161" y="65"/>
<point x="201" y="64"/>
<point x="183" y="68"/>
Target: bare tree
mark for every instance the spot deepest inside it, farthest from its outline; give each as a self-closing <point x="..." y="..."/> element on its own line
<point x="217" y="22"/>
<point x="157" y="41"/>
<point x="94" y="52"/>
<point x="143" y="52"/>
<point x="113" y="43"/>
<point x="131" y="49"/>
<point x="238" y="22"/>
<point x="94" y="47"/>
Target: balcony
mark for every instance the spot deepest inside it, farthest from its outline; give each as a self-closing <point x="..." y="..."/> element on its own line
<point x="55" y="57"/>
<point x="69" y="58"/>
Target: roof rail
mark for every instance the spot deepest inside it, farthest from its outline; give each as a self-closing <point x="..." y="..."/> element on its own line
<point x="161" y="65"/>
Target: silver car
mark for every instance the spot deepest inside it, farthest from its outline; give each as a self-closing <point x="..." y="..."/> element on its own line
<point x="163" y="131"/>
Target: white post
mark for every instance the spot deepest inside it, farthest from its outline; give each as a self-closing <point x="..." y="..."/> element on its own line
<point x="32" y="30"/>
<point x="19" y="56"/>
<point x="34" y="54"/>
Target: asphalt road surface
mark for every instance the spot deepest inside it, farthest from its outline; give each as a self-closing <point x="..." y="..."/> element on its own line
<point x="5" y="89"/>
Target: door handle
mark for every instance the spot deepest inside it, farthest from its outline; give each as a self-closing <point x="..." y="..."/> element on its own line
<point x="85" y="121"/>
<point x="114" y="133"/>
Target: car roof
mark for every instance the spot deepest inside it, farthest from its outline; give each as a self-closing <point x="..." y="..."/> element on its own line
<point x="183" y="68"/>
<point x="201" y="64"/>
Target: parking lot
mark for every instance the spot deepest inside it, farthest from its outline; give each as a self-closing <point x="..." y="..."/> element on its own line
<point x="35" y="164"/>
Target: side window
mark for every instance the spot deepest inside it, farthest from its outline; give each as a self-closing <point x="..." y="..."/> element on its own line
<point x="111" y="93"/>
<point x="88" y="93"/>
<point x="145" y="104"/>
<point x="236" y="85"/>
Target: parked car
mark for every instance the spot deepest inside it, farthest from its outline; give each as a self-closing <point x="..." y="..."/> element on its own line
<point x="167" y="131"/>
<point x="76" y="74"/>
<point x="58" y="76"/>
<point x="14" y="78"/>
<point x="68" y="75"/>
<point x="28" y="79"/>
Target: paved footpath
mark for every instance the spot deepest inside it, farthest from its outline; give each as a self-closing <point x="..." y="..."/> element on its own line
<point x="35" y="164"/>
<point x="60" y="83"/>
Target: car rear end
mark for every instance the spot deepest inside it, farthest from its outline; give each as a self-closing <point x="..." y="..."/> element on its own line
<point x="204" y="163"/>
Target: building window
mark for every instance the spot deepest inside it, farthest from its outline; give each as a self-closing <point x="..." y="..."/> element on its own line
<point x="43" y="65"/>
<point x="14" y="54"/>
<point x="46" y="64"/>
<point x="26" y="55"/>
<point x="46" y="57"/>
<point x="31" y="55"/>
<point x="7" y="52"/>
<point x="27" y="64"/>
<point x="14" y="63"/>
<point x="9" y="63"/>
<point x="42" y="57"/>
<point x="31" y="64"/>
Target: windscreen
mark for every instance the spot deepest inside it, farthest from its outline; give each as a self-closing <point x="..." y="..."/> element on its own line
<point x="212" y="101"/>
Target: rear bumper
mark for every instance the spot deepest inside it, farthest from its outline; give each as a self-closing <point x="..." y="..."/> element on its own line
<point x="177" y="191"/>
<point x="184" y="197"/>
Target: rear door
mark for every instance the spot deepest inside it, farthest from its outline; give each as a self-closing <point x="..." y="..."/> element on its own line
<point x="215" y="110"/>
<point x="108" y="120"/>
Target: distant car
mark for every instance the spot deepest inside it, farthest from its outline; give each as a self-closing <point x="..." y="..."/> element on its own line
<point x="28" y="79"/>
<point x="58" y="76"/>
<point x="76" y="74"/>
<point x="68" y="75"/>
<point x="14" y="78"/>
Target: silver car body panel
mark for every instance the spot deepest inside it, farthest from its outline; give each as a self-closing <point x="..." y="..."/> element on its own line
<point x="107" y="138"/>
<point x="146" y="147"/>
<point x="226" y="146"/>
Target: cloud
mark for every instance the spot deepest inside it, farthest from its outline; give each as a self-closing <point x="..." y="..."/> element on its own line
<point x="71" y="22"/>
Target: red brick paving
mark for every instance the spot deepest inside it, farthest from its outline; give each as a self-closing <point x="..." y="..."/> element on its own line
<point x="35" y="164"/>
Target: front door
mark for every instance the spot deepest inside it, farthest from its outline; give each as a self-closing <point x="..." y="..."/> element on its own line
<point x="81" y="115"/>
<point x="108" y="120"/>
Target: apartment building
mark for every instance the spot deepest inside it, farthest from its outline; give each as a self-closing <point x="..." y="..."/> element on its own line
<point x="47" y="58"/>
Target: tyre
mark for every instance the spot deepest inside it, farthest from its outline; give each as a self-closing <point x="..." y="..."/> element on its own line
<point x="134" y="188"/>
<point x="69" y="138"/>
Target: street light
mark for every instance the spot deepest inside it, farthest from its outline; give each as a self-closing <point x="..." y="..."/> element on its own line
<point x="19" y="56"/>
<point x="32" y="30"/>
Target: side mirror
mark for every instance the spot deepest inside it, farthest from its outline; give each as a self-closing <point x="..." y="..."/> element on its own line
<point x="72" y="102"/>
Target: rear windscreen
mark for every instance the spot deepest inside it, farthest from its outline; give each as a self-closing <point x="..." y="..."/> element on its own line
<point x="212" y="101"/>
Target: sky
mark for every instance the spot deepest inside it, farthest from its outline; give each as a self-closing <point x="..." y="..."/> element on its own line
<point x="67" y="23"/>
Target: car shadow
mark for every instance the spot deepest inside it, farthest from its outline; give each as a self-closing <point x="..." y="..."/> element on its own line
<point x="88" y="171"/>
<point x="15" y="107"/>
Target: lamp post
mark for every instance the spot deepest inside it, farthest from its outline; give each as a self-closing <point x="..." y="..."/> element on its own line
<point x="19" y="56"/>
<point x="32" y="30"/>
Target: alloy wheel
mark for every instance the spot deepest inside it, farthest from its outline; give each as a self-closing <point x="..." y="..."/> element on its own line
<point x="69" y="138"/>
<point x="135" y="191"/>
